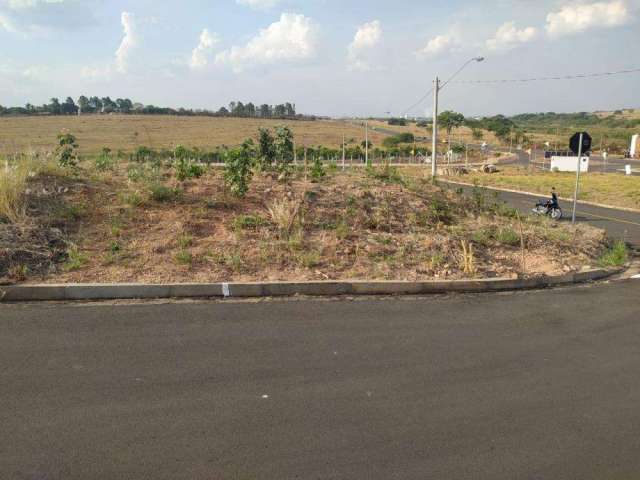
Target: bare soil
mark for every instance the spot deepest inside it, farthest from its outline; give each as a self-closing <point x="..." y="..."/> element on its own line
<point x="350" y="225"/>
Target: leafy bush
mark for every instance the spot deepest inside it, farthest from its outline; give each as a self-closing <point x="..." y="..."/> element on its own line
<point x="440" y="212"/>
<point x="248" y="222"/>
<point x="162" y="193"/>
<point x="104" y="161"/>
<point x="317" y="170"/>
<point x="266" y="149"/>
<point x="144" y="154"/>
<point x="615" y="256"/>
<point x="66" y="152"/>
<point x="185" y="169"/>
<point x="76" y="259"/>
<point x="284" y="151"/>
<point x="507" y="236"/>
<point x="237" y="168"/>
<point x="184" y="257"/>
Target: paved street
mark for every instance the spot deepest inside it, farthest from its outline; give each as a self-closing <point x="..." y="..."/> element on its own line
<point x="619" y="224"/>
<point x="528" y="385"/>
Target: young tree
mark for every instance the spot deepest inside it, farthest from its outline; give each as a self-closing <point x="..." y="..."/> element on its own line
<point x="266" y="149"/>
<point x="66" y="150"/>
<point x="284" y="150"/>
<point x="237" y="168"/>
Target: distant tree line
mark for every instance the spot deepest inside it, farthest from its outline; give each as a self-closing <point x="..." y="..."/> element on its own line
<point x="105" y="105"/>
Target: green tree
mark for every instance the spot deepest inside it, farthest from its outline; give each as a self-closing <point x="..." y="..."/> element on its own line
<point x="54" y="106"/>
<point x="83" y="104"/>
<point x="450" y="121"/>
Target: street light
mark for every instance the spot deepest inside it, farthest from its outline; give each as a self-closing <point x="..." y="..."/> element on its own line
<point x="436" y="90"/>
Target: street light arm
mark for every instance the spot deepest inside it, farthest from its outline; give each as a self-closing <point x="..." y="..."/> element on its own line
<point x="474" y="59"/>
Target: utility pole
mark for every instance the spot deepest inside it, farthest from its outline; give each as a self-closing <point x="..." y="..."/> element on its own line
<point x="343" y="152"/>
<point x="434" y="139"/>
<point x="366" y="143"/>
<point x="575" y="194"/>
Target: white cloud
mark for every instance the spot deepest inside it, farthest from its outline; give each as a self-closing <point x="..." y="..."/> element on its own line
<point x="200" y="55"/>
<point x="258" y="4"/>
<point x="578" y="17"/>
<point x="440" y="44"/>
<point x="20" y="4"/>
<point x="290" y="39"/>
<point x="129" y="42"/>
<point x="508" y="36"/>
<point x="7" y="24"/>
<point x="366" y="38"/>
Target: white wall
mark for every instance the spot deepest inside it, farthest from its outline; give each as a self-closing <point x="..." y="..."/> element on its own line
<point x="569" y="164"/>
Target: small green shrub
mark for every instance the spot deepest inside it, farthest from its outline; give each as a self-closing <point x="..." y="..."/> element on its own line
<point x="104" y="161"/>
<point x="317" y="170"/>
<point x="440" y="212"/>
<point x="185" y="169"/>
<point x="185" y="240"/>
<point x="184" y="257"/>
<point x="162" y="193"/>
<point x="66" y="152"/>
<point x="483" y="236"/>
<point x="75" y="259"/>
<point x="507" y="236"/>
<point x="308" y="259"/>
<point x="248" y="222"/>
<point x="615" y="256"/>
<point x="133" y="199"/>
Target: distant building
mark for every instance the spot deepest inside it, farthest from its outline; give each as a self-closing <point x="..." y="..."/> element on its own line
<point x="634" y="151"/>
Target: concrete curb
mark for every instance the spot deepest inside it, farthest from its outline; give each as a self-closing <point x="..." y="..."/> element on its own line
<point x="28" y="293"/>
<point x="534" y="194"/>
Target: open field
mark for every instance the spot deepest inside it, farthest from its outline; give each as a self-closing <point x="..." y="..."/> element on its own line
<point x="608" y="188"/>
<point x="127" y="132"/>
<point x="459" y="135"/>
<point x="139" y="222"/>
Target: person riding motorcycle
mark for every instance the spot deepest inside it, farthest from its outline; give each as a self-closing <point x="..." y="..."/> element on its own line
<point x="553" y="203"/>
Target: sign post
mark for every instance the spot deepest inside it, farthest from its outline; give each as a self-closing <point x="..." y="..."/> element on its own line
<point x="580" y="143"/>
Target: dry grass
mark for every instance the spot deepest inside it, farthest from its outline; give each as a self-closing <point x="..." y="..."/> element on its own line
<point x="352" y="225"/>
<point x="127" y="132"/>
<point x="14" y="175"/>
<point x="609" y="189"/>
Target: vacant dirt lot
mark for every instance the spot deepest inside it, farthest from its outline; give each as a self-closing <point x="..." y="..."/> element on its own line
<point x="127" y="132"/>
<point x="139" y="223"/>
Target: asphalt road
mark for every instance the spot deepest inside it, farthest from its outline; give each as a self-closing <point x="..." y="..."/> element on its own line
<point x="530" y="385"/>
<point x="619" y="224"/>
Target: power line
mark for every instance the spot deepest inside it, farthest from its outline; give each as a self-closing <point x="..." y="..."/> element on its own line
<point x="541" y="79"/>
<point x="426" y="95"/>
<point x="524" y="80"/>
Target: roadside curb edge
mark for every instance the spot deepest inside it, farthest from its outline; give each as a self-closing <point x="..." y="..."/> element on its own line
<point x="88" y="292"/>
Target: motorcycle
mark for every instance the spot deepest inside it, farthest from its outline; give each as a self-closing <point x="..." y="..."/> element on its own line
<point x="544" y="207"/>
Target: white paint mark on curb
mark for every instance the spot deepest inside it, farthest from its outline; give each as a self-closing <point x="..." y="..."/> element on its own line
<point x="636" y="276"/>
<point x="225" y="290"/>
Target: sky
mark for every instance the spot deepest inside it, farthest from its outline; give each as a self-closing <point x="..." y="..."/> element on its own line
<point x="329" y="57"/>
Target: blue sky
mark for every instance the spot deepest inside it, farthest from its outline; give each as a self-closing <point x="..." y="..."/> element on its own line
<point x="330" y="57"/>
